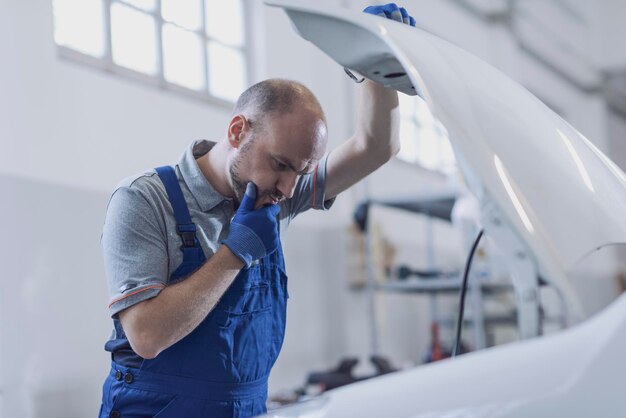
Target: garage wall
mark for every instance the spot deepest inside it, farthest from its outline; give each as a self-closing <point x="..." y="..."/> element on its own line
<point x="53" y="321"/>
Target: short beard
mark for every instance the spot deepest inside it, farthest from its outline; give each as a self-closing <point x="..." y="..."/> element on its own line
<point x="238" y="185"/>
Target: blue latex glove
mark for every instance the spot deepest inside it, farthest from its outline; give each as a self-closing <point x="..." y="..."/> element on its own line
<point x="253" y="233"/>
<point x="391" y="11"/>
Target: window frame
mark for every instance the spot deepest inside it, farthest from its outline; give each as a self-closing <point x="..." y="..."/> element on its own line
<point x="106" y="63"/>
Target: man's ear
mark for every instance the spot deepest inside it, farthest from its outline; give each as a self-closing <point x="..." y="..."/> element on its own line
<point x="237" y="129"/>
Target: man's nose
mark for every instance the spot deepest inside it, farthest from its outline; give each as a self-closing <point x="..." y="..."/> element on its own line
<point x="287" y="184"/>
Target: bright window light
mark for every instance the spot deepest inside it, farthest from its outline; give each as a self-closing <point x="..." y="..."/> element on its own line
<point x="133" y="39"/>
<point x="78" y="24"/>
<point x="184" y="13"/>
<point x="182" y="56"/>
<point x="195" y="44"/>
<point x="224" y="21"/>
<point x="423" y="139"/>
<point x="407" y="105"/>
<point x="226" y="71"/>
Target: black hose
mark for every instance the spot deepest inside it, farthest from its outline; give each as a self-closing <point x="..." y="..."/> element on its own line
<point x="468" y="264"/>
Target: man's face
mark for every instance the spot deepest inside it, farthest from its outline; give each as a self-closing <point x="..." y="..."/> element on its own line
<point x="275" y="156"/>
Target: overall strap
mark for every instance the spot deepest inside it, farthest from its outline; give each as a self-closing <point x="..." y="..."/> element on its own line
<point x="184" y="226"/>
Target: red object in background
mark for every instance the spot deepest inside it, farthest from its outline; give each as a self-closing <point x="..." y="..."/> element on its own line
<point x="435" y="351"/>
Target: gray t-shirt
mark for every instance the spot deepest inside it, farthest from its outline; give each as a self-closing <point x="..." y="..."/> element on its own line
<point x="139" y="241"/>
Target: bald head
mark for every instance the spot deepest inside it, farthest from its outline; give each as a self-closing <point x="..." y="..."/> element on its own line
<point x="276" y="97"/>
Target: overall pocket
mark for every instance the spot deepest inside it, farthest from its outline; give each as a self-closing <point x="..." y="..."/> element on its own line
<point x="247" y="339"/>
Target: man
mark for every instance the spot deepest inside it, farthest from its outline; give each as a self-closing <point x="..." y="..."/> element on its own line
<point x="199" y="300"/>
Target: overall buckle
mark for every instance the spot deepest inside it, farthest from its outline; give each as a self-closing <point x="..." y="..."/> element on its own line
<point x="187" y="233"/>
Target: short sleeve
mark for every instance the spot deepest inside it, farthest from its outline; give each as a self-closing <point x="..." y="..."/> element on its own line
<point x="310" y="192"/>
<point x="134" y="250"/>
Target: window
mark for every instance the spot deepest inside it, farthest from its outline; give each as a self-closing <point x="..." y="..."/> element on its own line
<point x="194" y="46"/>
<point x="424" y="140"/>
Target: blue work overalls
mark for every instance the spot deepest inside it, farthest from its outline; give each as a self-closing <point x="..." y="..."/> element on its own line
<point x="221" y="368"/>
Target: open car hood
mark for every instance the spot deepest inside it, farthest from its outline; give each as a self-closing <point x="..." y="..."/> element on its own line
<point x="545" y="191"/>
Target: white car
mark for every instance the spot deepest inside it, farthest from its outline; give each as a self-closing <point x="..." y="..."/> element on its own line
<point x="548" y="198"/>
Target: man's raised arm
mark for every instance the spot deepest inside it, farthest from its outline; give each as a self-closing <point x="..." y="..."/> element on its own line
<point x="376" y="139"/>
